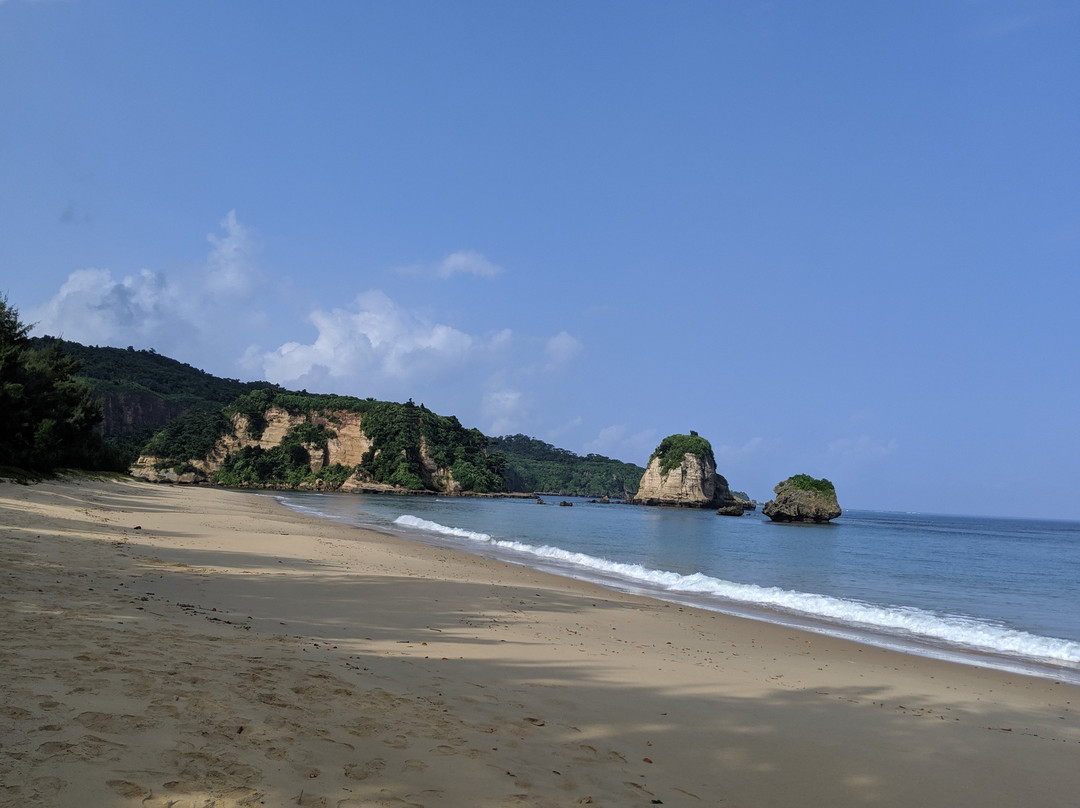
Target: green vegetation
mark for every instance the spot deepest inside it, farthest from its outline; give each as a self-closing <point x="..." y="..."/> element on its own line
<point x="49" y="415"/>
<point x="808" y="483"/>
<point x="189" y="437"/>
<point x="674" y="448"/>
<point x="396" y="432"/>
<point x="400" y="434"/>
<point x="119" y="370"/>
<point x="141" y="391"/>
<point x="286" y="465"/>
<point x="535" y="466"/>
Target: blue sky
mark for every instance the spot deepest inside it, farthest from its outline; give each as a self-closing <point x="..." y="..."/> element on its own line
<point x="835" y="238"/>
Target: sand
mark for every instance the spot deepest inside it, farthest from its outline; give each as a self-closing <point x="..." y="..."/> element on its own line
<point x="167" y="646"/>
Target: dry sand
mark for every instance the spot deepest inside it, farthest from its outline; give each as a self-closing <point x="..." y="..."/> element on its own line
<point x="186" y="647"/>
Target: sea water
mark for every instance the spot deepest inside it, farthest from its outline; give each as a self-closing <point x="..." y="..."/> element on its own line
<point x="997" y="592"/>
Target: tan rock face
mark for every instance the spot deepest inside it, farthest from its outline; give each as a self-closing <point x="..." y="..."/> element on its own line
<point x="347" y="448"/>
<point x="438" y="477"/>
<point x="694" y="483"/>
<point x="350" y="445"/>
<point x="278" y="424"/>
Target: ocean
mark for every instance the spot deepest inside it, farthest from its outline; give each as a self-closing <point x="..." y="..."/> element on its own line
<point x="1001" y="593"/>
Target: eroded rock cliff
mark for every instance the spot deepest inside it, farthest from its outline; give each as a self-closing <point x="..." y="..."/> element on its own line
<point x="682" y="473"/>
<point x="300" y="442"/>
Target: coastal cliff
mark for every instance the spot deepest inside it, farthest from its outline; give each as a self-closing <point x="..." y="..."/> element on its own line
<point x="270" y="439"/>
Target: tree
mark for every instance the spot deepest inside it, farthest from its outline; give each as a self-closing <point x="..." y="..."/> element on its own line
<point x="47" y="416"/>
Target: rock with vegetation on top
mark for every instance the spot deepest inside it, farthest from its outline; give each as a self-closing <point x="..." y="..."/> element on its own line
<point x="682" y="472"/>
<point x="803" y="499"/>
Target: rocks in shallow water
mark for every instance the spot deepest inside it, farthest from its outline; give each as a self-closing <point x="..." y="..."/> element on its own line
<point x="731" y="510"/>
<point x="803" y="499"/>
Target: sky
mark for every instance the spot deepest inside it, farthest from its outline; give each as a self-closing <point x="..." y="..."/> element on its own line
<point x="833" y="238"/>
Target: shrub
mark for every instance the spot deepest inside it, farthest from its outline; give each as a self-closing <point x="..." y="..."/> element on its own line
<point x="807" y="483"/>
<point x="674" y="448"/>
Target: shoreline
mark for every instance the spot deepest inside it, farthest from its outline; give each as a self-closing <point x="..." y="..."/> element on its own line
<point x="924" y="645"/>
<point x="173" y="646"/>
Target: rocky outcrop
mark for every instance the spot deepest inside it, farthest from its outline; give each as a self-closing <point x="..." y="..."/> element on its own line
<point x="691" y="483"/>
<point x="803" y="499"/>
<point x="736" y="508"/>
<point x="158" y="470"/>
<point x="347" y="447"/>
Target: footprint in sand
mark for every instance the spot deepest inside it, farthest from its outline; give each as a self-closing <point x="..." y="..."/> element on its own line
<point x="51" y="748"/>
<point x="365" y="728"/>
<point x="113" y="724"/>
<point x="590" y="752"/>
<point x="125" y="788"/>
<point x="49" y="784"/>
<point x="362" y="771"/>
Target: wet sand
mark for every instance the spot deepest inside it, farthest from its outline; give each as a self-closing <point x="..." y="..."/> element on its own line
<point x="167" y="646"/>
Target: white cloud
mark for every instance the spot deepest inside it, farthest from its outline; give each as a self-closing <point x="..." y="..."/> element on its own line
<point x="467" y="262"/>
<point x="150" y="308"/>
<point x="229" y="264"/>
<point x="504" y="410"/>
<point x="561" y="350"/>
<point x="375" y="339"/>
<point x="92" y="307"/>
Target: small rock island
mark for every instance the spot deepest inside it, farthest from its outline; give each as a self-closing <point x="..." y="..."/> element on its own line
<point x="682" y="473"/>
<point x="803" y="498"/>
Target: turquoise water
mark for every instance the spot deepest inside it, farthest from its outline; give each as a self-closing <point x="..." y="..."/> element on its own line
<point x="997" y="592"/>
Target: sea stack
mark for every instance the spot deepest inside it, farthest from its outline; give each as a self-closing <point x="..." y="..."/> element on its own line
<point x="682" y="473"/>
<point x="803" y="498"/>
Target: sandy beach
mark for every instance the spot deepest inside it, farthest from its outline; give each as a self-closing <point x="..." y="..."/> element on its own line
<point x="189" y="647"/>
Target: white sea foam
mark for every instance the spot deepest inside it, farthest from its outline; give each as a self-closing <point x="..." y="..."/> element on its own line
<point x="957" y="630"/>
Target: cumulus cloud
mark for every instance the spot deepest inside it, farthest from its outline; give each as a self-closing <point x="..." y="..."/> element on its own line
<point x="467" y="262"/>
<point x="229" y="264"/>
<point x="179" y="316"/>
<point x="375" y="337"/>
<point x="93" y="307"/>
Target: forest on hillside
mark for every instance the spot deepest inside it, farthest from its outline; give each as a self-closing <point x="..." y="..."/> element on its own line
<point x="177" y="412"/>
<point x="535" y="466"/>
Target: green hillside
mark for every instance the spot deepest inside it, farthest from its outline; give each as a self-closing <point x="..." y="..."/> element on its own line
<point x="406" y="440"/>
<point x="535" y="466"/>
<point x="142" y="391"/>
<point x="152" y="404"/>
<point x="119" y="370"/>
